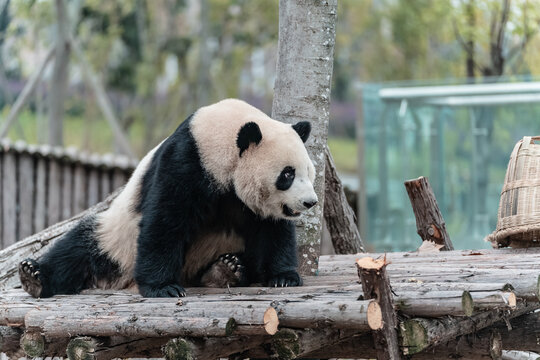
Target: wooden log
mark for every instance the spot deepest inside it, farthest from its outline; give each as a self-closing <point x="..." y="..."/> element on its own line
<point x="292" y="344"/>
<point x="40" y="210"/>
<point x="429" y="220"/>
<point x="54" y="199"/>
<point x="338" y="214"/>
<point x="26" y="195"/>
<point x="418" y="334"/>
<point x="210" y="348"/>
<point x="113" y="325"/>
<point x="375" y="285"/>
<point x="9" y="199"/>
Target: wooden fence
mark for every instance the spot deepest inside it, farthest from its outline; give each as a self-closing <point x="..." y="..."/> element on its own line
<point x="42" y="185"/>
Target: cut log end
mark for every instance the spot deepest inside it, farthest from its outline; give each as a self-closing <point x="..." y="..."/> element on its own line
<point x="286" y="344"/>
<point x="414" y="337"/>
<point x="369" y="263"/>
<point x="271" y="321"/>
<point x="81" y="348"/>
<point x="33" y="344"/>
<point x="374" y="316"/>
<point x="178" y="349"/>
<point x="467" y="303"/>
<point x="512" y="300"/>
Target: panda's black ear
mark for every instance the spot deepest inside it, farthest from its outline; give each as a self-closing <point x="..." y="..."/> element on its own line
<point x="303" y="128"/>
<point x="249" y="133"/>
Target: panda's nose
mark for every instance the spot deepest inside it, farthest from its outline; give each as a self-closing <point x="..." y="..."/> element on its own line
<point x="310" y="204"/>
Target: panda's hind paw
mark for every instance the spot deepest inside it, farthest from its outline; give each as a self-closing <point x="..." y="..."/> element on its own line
<point x="30" y="276"/>
<point x="227" y="270"/>
<point x="286" y="279"/>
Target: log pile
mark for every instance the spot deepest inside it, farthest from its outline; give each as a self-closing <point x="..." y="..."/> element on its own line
<point x="441" y="300"/>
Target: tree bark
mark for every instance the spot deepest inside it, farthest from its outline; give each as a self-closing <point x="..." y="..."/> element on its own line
<point x="430" y="223"/>
<point x="59" y="79"/>
<point x="338" y="214"/>
<point x="302" y="93"/>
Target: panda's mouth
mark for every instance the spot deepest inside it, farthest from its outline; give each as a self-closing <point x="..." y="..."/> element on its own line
<point x="289" y="212"/>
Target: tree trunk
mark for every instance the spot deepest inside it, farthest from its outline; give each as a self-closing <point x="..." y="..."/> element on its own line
<point x="302" y="92"/>
<point x="338" y="214"/>
<point x="59" y="79"/>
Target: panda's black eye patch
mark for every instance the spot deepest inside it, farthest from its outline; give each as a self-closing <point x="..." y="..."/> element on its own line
<point x="286" y="178"/>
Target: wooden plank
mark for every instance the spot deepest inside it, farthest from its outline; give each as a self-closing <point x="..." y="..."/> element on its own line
<point x="93" y="186"/>
<point x="67" y="190"/>
<point x="26" y="195"/>
<point x="40" y="209"/>
<point x="105" y="183"/>
<point x="54" y="192"/>
<point x="9" y="188"/>
<point x="79" y="189"/>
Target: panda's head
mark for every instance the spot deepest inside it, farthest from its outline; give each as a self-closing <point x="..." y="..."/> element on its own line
<point x="274" y="174"/>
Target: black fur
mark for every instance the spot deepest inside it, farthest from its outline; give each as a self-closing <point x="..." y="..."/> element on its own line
<point x="249" y="133"/>
<point x="178" y="202"/>
<point x="303" y="128"/>
<point x="176" y="177"/>
<point x="72" y="264"/>
<point x="285" y="178"/>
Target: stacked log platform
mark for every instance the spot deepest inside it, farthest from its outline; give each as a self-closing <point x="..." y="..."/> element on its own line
<point x="468" y="304"/>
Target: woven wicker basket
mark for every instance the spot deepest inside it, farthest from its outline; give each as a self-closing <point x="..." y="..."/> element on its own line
<point x="518" y="223"/>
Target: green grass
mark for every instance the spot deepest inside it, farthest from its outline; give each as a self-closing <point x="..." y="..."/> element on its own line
<point x="344" y="153"/>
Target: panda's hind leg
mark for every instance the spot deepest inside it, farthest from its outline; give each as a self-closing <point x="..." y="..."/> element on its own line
<point x="227" y="270"/>
<point x="30" y="277"/>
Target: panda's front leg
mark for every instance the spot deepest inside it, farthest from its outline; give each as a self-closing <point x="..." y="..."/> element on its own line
<point x="160" y="258"/>
<point x="278" y="239"/>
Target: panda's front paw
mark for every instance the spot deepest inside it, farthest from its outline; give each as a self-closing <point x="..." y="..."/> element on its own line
<point x="289" y="278"/>
<point x="173" y="290"/>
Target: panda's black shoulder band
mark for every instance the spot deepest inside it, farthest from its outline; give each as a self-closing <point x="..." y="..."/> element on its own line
<point x="249" y="133"/>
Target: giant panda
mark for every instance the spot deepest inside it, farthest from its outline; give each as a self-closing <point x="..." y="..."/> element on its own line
<point x="213" y="205"/>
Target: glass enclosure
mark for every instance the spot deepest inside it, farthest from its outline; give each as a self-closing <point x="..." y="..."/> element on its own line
<point x="459" y="136"/>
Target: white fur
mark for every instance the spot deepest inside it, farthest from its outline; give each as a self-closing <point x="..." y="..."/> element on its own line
<point x="253" y="176"/>
<point x="118" y="226"/>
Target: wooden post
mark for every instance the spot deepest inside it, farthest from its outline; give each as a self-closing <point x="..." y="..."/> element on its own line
<point x="302" y="92"/>
<point x="54" y="201"/>
<point x="376" y="285"/>
<point x="338" y="214"/>
<point x="26" y="194"/>
<point x="9" y="198"/>
<point x="40" y="210"/>
<point x="429" y="220"/>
